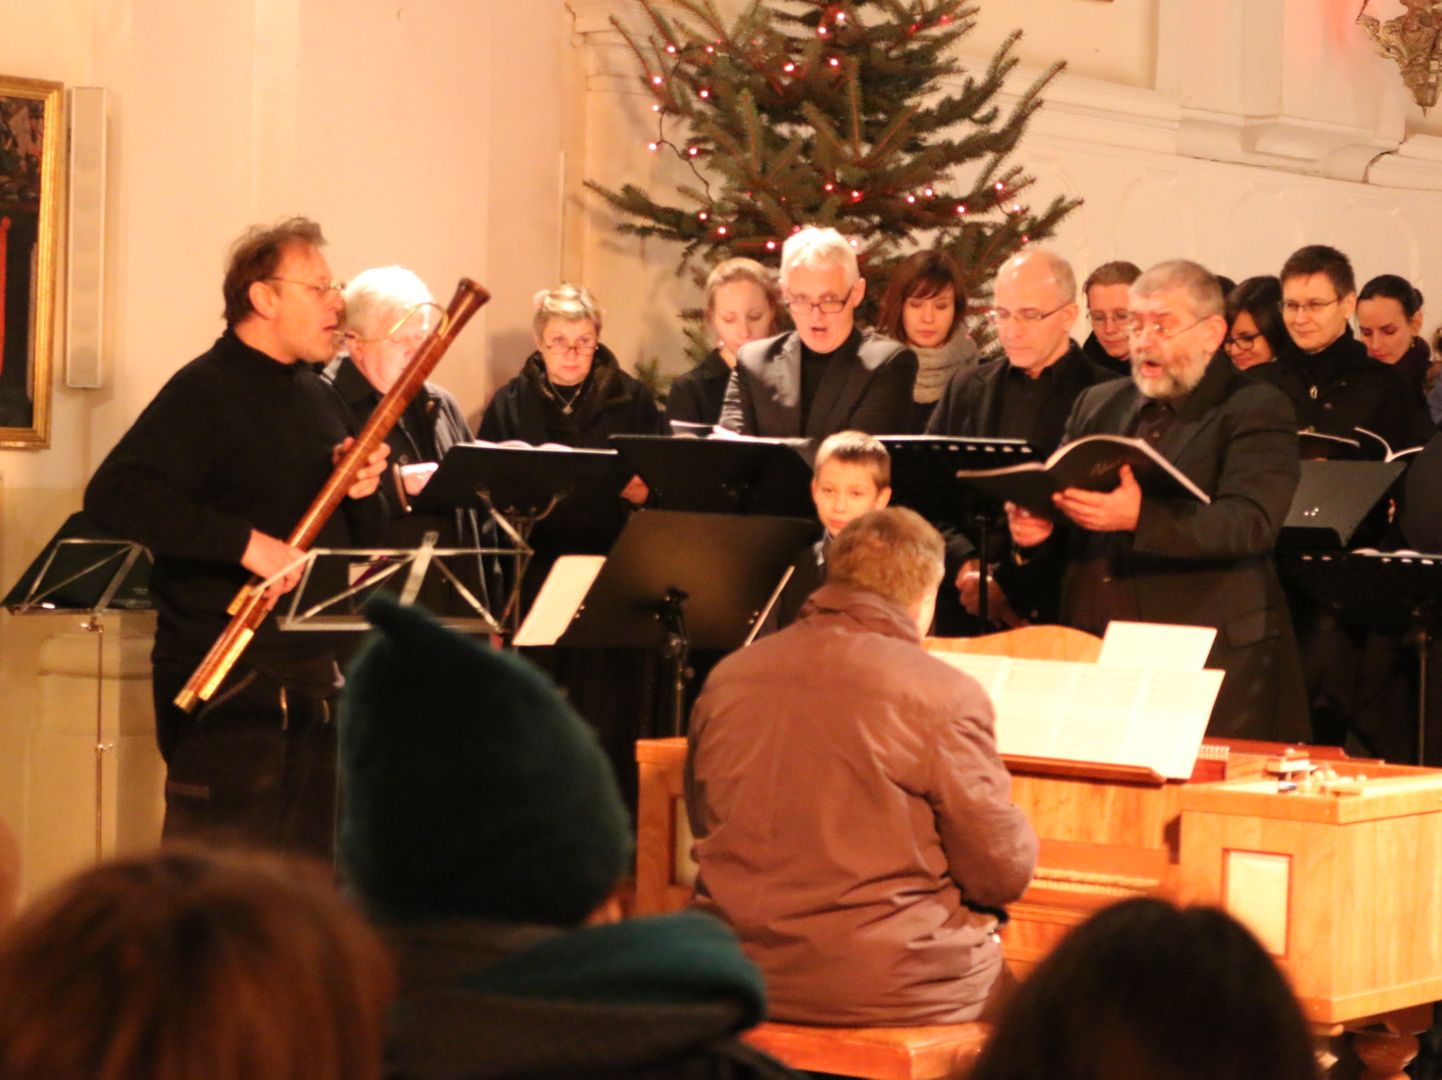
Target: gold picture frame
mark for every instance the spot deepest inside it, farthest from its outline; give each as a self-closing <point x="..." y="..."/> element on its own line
<point x="32" y="133"/>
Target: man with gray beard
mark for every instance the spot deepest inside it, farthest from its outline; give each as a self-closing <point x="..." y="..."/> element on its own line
<point x="1175" y="560"/>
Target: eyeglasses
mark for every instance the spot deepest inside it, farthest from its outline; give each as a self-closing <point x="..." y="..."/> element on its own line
<point x="404" y="317"/>
<point x="1293" y="308"/>
<point x="1141" y="327"/>
<point x="1109" y="318"/>
<point x="829" y="305"/>
<point x="562" y="347"/>
<point x="320" y="291"/>
<point x="1026" y="316"/>
<point x="1240" y="342"/>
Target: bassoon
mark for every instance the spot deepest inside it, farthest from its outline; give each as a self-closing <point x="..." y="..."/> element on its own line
<point x="249" y="607"/>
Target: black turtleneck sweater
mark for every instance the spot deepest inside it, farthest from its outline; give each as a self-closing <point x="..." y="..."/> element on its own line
<point x="235" y="440"/>
<point x="1341" y="388"/>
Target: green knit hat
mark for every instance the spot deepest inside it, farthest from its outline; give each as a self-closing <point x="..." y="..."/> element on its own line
<point x="470" y="789"/>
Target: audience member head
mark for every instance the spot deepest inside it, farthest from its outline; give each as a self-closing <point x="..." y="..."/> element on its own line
<point x="1255" y="334"/>
<point x="193" y="962"/>
<point x="743" y="301"/>
<point x="922" y="300"/>
<point x="1177" y="327"/>
<point x="388" y="314"/>
<point x="1389" y="316"/>
<point x="852" y="477"/>
<point x="1318" y="296"/>
<point x="1035" y="307"/>
<point x="1107" y="292"/>
<point x="1225" y="283"/>
<point x="567" y="326"/>
<point x="822" y="284"/>
<point x="470" y="789"/>
<point x="279" y="297"/>
<point x="893" y="553"/>
<point x="1143" y="989"/>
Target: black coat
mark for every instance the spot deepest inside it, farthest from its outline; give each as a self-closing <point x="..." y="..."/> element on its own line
<point x="972" y="403"/>
<point x="1342" y="388"/>
<point x="866" y="387"/>
<point x="1211" y="565"/>
<point x="696" y="397"/>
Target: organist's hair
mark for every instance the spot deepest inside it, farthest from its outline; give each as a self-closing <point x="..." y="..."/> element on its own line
<point x="1204" y="292"/>
<point x="567" y="302"/>
<point x="857" y="448"/>
<point x="1146" y="989"/>
<point x="894" y="553"/>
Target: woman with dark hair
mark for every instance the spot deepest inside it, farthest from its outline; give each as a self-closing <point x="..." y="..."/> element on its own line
<point x="192" y="962"/>
<point x="1144" y="989"/>
<point x="1389" y="319"/>
<point x="921" y="308"/>
<point x="1256" y="334"/>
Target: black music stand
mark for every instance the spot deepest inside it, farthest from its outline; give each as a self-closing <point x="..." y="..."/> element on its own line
<point x="677" y="580"/>
<point x="923" y="477"/>
<point x="1385" y="591"/>
<point x="84" y="570"/>
<point x="723" y="476"/>
<point x="1332" y="500"/>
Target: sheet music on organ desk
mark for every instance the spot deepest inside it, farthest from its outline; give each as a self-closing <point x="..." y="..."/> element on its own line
<point x="1122" y="710"/>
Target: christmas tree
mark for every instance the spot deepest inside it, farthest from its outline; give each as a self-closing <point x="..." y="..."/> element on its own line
<point x="856" y="114"/>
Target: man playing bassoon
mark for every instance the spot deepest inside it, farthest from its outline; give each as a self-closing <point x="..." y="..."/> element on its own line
<point x="218" y="468"/>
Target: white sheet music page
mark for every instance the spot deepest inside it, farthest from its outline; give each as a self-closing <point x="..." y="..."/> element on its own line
<point x="1156" y="646"/>
<point x="560" y="596"/>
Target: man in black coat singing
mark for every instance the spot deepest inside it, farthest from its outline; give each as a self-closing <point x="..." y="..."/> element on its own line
<point x="1177" y="560"/>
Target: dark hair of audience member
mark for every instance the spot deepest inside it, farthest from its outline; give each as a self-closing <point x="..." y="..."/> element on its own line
<point x="1144" y="989"/>
<point x="256" y="257"/>
<point x="193" y="963"/>
<point x="1261" y="298"/>
<point x="1321" y="259"/>
<point x="1393" y="287"/>
<point x="920" y="274"/>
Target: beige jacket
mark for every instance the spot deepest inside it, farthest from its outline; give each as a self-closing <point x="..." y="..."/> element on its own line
<point x="850" y="812"/>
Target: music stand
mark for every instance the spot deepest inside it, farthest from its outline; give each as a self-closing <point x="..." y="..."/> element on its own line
<point x="723" y="476"/>
<point x="1332" y="500"/>
<point x="85" y="570"/>
<point x="923" y="477"/>
<point x="1384" y="591"/>
<point x="676" y="580"/>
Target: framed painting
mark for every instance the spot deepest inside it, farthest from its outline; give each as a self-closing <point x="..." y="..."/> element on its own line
<point x="31" y="134"/>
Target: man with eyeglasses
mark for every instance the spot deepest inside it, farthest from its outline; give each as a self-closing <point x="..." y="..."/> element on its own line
<point x="216" y="471"/>
<point x="826" y="375"/>
<point x="1134" y="556"/>
<point x="1026" y="395"/>
<point x="1106" y="289"/>
<point x="389" y="313"/>
<point x="1332" y="383"/>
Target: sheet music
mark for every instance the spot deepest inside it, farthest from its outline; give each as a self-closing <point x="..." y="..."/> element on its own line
<point x="1156" y="646"/>
<point x="560" y="597"/>
<point x="1152" y="719"/>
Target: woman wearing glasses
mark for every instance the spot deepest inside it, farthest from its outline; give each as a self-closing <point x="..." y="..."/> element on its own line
<point x="921" y="308"/>
<point x="1255" y="333"/>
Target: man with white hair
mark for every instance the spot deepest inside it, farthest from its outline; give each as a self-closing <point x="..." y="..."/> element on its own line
<point x="389" y="312"/>
<point x="826" y="375"/>
<point x="1176" y="560"/>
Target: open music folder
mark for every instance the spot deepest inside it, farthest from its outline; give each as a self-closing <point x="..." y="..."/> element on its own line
<point x="1144" y="704"/>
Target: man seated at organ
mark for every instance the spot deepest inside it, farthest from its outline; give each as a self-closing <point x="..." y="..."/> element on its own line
<point x="853" y="819"/>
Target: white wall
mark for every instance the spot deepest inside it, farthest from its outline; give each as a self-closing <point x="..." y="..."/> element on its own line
<point x="425" y="132"/>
